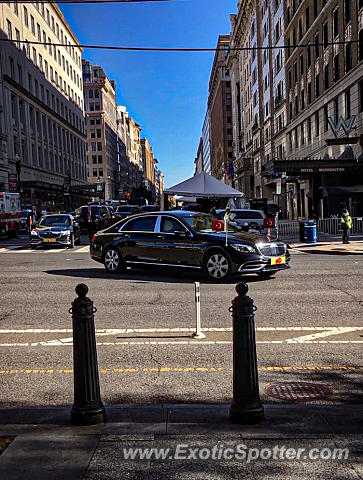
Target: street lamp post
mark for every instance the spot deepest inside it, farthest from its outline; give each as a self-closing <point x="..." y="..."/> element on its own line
<point x="18" y="169"/>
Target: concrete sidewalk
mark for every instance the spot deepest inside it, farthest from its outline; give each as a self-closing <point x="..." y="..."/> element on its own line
<point x="47" y="447"/>
<point x="330" y="248"/>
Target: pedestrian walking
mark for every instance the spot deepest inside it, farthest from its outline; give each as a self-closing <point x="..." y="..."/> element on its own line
<point x="33" y="217"/>
<point x="347" y="223"/>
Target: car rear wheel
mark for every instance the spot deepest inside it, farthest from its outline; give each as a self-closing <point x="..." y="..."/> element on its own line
<point x="217" y="266"/>
<point x="113" y="261"/>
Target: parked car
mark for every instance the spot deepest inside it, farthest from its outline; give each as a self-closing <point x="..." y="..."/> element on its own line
<point x="55" y="229"/>
<point x="187" y="240"/>
<point x="93" y="217"/>
<point x="124" y="211"/>
<point x="24" y="220"/>
<point x="149" y="208"/>
<point x="248" y="220"/>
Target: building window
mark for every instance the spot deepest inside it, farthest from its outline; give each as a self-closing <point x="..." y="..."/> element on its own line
<point x="317" y="85"/>
<point x="316" y="8"/>
<point x="26" y="18"/>
<point x="347" y="11"/>
<point x="34" y="56"/>
<point x="300" y="29"/>
<point x="97" y="93"/>
<point x="289" y="79"/>
<point x="302" y="95"/>
<point x="10" y="30"/>
<point x="307" y="18"/>
<point x="360" y="55"/>
<point x="317" y="124"/>
<point x="309" y="93"/>
<point x="326" y="77"/>
<point x="302" y="134"/>
<point x="100" y="159"/>
<point x="348" y="57"/>
<point x="308" y="55"/>
<point x="336" y="22"/>
<point x="347" y="104"/>
<point x="94" y="159"/>
<point x="309" y="129"/>
<point x="336" y="109"/>
<point x="296" y="138"/>
<point x="20" y="74"/>
<point x="296" y="105"/>
<point x="326" y="123"/>
<point x="99" y="146"/>
<point x="295" y="72"/>
<point x="95" y="172"/>
<point x="301" y="64"/>
<point x="336" y="68"/>
<point x="11" y="64"/>
<point x="90" y="94"/>
<point x="317" y="46"/>
<point x="32" y="24"/>
<point x="325" y="35"/>
<point x="93" y="146"/>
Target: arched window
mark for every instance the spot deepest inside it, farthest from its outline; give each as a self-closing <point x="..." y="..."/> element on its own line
<point x="90" y="94"/>
<point x="97" y="94"/>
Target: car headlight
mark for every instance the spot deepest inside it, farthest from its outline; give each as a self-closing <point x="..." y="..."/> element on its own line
<point x="34" y="233"/>
<point x="66" y="232"/>
<point x="243" y="248"/>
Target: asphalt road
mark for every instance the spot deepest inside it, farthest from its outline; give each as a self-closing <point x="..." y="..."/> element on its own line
<point x="309" y="329"/>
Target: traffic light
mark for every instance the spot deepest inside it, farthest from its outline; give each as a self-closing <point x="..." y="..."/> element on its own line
<point x="128" y="195"/>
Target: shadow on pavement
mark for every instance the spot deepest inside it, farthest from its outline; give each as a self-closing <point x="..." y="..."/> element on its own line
<point x="149" y="276"/>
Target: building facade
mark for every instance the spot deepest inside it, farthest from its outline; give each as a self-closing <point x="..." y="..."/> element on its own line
<point x="322" y="169"/>
<point x="102" y="145"/>
<point x="41" y="103"/>
<point x="149" y="163"/>
<point x="198" y="161"/>
<point x="220" y="114"/>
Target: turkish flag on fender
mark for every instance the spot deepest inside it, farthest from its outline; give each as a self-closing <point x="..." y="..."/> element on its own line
<point x="218" y="225"/>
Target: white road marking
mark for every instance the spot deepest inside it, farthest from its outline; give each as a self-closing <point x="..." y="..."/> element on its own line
<point x="16" y="249"/>
<point x="107" y="331"/>
<point x="55" y="343"/>
<point x="313" y="336"/>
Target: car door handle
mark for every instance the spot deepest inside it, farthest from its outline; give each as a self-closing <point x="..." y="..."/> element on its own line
<point x="161" y="236"/>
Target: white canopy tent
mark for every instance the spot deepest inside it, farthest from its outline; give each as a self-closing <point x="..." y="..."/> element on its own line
<point x="203" y="185"/>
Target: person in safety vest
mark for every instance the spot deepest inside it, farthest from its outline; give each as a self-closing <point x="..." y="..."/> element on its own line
<point x="347" y="223"/>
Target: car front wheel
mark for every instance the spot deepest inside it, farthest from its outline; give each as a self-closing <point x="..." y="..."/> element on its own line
<point x="217" y="266"/>
<point x="113" y="261"/>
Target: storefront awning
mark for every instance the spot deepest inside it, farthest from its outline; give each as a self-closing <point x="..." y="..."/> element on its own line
<point x="303" y="166"/>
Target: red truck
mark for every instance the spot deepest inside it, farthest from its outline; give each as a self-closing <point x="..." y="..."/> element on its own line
<point x="10" y="214"/>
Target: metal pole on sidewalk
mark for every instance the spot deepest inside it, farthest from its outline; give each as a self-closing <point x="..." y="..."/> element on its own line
<point x="87" y="408"/>
<point x="198" y="330"/>
<point x="246" y="407"/>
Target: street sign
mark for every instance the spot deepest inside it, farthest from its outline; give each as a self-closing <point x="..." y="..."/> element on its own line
<point x="13" y="182"/>
<point x="342" y="141"/>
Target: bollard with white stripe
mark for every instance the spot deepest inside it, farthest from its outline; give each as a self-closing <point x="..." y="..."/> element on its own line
<point x="198" y="330"/>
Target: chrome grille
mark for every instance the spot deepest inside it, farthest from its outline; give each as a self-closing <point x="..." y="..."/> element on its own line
<point x="49" y="235"/>
<point x="272" y="249"/>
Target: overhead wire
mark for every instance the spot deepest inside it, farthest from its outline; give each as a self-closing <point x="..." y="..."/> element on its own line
<point x="176" y="49"/>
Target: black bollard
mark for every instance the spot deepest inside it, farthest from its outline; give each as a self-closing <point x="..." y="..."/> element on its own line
<point x="87" y="408"/>
<point x="246" y="407"/>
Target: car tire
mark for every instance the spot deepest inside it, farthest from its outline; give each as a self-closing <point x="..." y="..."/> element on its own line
<point x="266" y="274"/>
<point x="112" y="261"/>
<point x="217" y="265"/>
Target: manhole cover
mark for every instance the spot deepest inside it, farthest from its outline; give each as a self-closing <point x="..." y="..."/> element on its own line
<point x="298" y="391"/>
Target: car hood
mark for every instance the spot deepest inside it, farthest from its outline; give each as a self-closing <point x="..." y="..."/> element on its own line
<point x="52" y="229"/>
<point x="247" y="237"/>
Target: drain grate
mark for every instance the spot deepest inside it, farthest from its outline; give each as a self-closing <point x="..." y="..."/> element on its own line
<point x="298" y="391"/>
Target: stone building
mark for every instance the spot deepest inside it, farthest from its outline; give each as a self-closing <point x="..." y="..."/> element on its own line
<point x="41" y="103"/>
<point x="220" y="114"/>
<point x="149" y="163"/>
<point x="101" y="127"/>
<point x="324" y="94"/>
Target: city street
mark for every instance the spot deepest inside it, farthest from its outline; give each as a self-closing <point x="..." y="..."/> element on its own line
<point x="309" y="329"/>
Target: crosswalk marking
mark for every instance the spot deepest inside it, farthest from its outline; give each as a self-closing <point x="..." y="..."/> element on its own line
<point x="18" y="249"/>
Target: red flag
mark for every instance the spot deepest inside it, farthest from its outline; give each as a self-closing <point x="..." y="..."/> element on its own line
<point x="218" y="225"/>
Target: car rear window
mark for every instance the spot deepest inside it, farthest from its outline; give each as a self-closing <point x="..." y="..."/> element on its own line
<point x="141" y="224"/>
<point x="248" y="214"/>
<point x="84" y="210"/>
<point x="124" y="210"/>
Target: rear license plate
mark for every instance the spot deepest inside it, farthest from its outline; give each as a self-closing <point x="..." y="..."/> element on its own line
<point x="278" y="260"/>
<point x="49" y="239"/>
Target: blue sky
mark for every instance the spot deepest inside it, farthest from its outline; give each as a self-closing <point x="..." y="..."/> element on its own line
<point x="165" y="92"/>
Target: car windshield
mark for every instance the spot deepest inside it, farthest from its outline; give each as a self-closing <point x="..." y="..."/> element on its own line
<point x="202" y="223"/>
<point x="124" y="210"/>
<point x="55" y="221"/>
